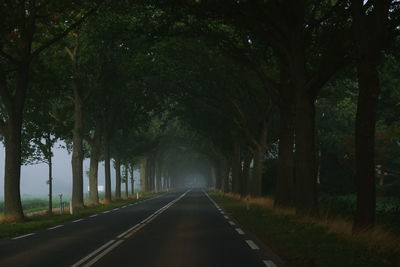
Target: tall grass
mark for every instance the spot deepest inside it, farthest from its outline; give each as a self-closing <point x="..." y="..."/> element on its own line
<point x="338" y="220"/>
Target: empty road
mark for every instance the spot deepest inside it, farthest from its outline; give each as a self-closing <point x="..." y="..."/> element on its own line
<point x="183" y="228"/>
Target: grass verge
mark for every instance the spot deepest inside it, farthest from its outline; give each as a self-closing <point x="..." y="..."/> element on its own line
<point x="36" y="222"/>
<point x="309" y="241"/>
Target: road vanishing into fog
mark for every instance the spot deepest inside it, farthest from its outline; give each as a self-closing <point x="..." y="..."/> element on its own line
<point x="182" y="228"/>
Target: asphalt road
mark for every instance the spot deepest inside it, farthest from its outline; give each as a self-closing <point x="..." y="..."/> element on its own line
<point x="183" y="228"/>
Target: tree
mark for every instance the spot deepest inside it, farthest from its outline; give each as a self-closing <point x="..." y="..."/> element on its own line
<point x="20" y="46"/>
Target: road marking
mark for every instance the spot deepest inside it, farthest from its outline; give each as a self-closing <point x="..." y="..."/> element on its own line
<point x="107" y="211"/>
<point x="123" y="207"/>
<point x="222" y="212"/>
<point x="252" y="245"/>
<point x="98" y="257"/>
<point x="93" y="253"/>
<point x="111" y="245"/>
<point x="231" y="223"/>
<point x="226" y="217"/>
<point x="269" y="263"/>
<point x="94" y="215"/>
<point x="55" y="227"/>
<point x="240" y="231"/>
<point x="116" y="209"/>
<point x="22" y="236"/>
<point x="77" y="220"/>
<point x="134" y="231"/>
<point x="127" y="231"/>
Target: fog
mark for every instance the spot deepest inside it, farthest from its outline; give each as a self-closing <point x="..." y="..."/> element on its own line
<point x="34" y="177"/>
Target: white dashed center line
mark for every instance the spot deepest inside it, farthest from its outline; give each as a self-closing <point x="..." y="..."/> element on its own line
<point x="231" y="223"/>
<point x="226" y="217"/>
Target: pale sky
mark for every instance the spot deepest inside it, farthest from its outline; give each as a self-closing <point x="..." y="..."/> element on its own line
<point x="34" y="177"/>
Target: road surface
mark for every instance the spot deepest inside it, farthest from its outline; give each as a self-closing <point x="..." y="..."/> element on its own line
<point x="183" y="228"/>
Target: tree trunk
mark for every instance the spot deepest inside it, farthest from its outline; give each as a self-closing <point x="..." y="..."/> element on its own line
<point x="132" y="180"/>
<point x="94" y="165"/>
<point x="236" y="168"/>
<point x="12" y="135"/>
<point x="158" y="175"/>
<point x="225" y="175"/>
<point x="259" y="160"/>
<point x="306" y="182"/>
<point x="77" y="153"/>
<point x="245" y="174"/>
<point x="50" y="165"/>
<point x="371" y="34"/>
<point x="143" y="167"/>
<point x="284" y="187"/>
<point x="117" y="166"/>
<point x="126" y="181"/>
<point x="369" y="89"/>
<point x="107" y="170"/>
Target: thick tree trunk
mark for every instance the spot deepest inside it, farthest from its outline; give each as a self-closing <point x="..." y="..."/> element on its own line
<point x="12" y="173"/>
<point x="107" y="170"/>
<point x="95" y="146"/>
<point x="117" y="166"/>
<point x="236" y="168"/>
<point x="306" y="181"/>
<point x="369" y="89"/>
<point x="77" y="153"/>
<point x="12" y="135"/>
<point x="143" y="175"/>
<point x="259" y="160"/>
<point x="284" y="187"/>
<point x="371" y="34"/>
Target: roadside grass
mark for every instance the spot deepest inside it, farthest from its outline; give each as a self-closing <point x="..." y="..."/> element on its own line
<point x="308" y="241"/>
<point x="41" y="221"/>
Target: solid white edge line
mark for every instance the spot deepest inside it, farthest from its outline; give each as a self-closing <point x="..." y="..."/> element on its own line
<point x="269" y="263"/>
<point x="93" y="253"/>
<point x="55" y="227"/>
<point x="107" y="211"/>
<point x="22" y="236"/>
<point x="240" y="231"/>
<point x="102" y="254"/>
<point x="252" y="245"/>
<point x="94" y="215"/>
<point x="77" y="220"/>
